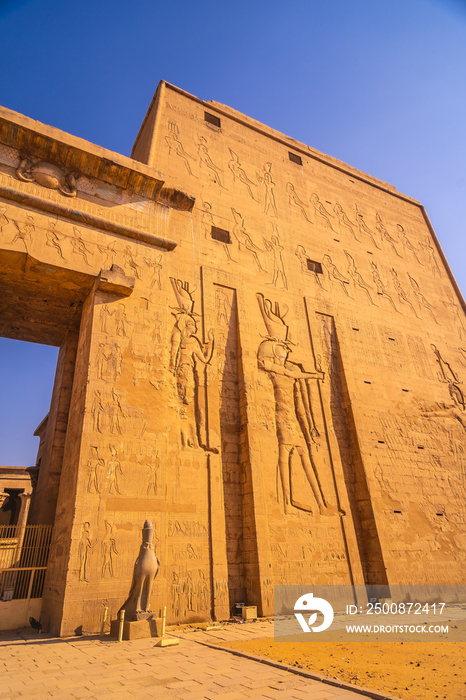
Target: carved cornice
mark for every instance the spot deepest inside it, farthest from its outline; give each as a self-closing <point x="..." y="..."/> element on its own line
<point x="85" y="218"/>
<point x="41" y="142"/>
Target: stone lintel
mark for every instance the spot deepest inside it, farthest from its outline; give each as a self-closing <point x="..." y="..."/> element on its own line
<point x="85" y="218"/>
<point x="114" y="281"/>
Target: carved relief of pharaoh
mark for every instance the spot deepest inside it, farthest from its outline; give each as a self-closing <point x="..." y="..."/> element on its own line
<point x="188" y="360"/>
<point x="294" y="419"/>
<point x="47" y="175"/>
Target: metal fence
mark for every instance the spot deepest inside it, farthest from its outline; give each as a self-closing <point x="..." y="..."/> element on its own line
<point x="24" y="552"/>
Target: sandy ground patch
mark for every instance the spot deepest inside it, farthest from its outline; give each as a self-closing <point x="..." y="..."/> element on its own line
<point x="410" y="671"/>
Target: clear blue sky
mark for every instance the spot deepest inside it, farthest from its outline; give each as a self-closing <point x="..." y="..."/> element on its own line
<point x="380" y="85"/>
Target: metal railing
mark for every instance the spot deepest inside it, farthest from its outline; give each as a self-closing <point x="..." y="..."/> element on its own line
<point x="24" y="552"/>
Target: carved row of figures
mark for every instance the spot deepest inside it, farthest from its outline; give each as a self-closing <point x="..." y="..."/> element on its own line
<point x="67" y="241"/>
<point x="268" y="259"/>
<point x="260" y="186"/>
<point x="271" y="251"/>
<point x="88" y="549"/>
<point x="106" y="475"/>
<point x="189" y="593"/>
<point x="247" y="242"/>
<point x="112" y="414"/>
<point x="393" y="291"/>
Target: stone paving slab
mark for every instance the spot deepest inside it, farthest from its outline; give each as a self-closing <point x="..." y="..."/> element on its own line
<point x="40" y="666"/>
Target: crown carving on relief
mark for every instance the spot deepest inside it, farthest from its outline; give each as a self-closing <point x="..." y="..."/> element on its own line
<point x="183" y="296"/>
<point x="173" y="126"/>
<point x="277" y="329"/>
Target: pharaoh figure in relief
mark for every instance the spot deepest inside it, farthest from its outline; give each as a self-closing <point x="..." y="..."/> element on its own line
<point x="295" y="425"/>
<point x="188" y="360"/>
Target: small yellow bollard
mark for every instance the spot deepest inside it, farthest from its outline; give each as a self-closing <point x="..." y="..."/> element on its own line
<point x="104" y="620"/>
<point x="164" y="617"/>
<point x="121" y="617"/>
<point x="164" y="641"/>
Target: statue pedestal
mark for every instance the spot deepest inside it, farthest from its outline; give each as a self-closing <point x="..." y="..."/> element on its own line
<point x="138" y="629"/>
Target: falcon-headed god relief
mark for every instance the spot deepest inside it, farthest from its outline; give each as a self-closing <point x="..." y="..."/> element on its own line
<point x="295" y="425"/>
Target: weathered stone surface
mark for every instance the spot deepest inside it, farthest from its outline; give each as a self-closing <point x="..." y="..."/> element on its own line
<point x="272" y="374"/>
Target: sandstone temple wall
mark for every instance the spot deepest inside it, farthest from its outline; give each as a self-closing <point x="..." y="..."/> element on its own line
<point x="262" y="351"/>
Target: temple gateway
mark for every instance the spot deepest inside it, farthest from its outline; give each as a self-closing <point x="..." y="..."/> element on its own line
<point x="262" y="352"/>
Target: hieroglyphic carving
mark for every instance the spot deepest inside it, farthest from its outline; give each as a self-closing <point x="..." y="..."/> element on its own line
<point x="121" y="321"/>
<point x="448" y="376"/>
<point x="364" y="228"/>
<point x="239" y="172"/>
<point x="79" y="246"/>
<point x="418" y="355"/>
<point x="108" y="549"/>
<point x="157" y="324"/>
<point x="294" y="200"/>
<point x="443" y="442"/>
<point x="114" y="471"/>
<point x="384" y="234"/>
<point x="208" y="223"/>
<point x="321" y="212"/>
<point x="205" y="159"/>
<point x="295" y="424"/>
<point x="175" y="594"/>
<point x="53" y="239"/>
<point x="457" y="318"/>
<point x="152" y="480"/>
<point x="207" y="219"/>
<point x="174" y="144"/>
<point x="335" y="275"/>
<point x="381" y="287"/>
<point x="189" y="591"/>
<point x="407" y="243"/>
<point x="357" y="277"/>
<point x="345" y="222"/>
<point x="188" y="360"/>
<point x="24" y="232"/>
<point x="155" y="265"/>
<point x="85" y="547"/>
<point x="96" y="466"/>
<point x="188" y="552"/>
<point x="222" y="303"/>
<point x="394" y="348"/>
<point x="109" y="360"/>
<point x="47" y="175"/>
<point x="97" y="412"/>
<point x="202" y="592"/>
<point x="273" y="246"/>
<point x="402" y="293"/>
<point x="265" y="178"/>
<point x="245" y="241"/>
<point x="188" y="528"/>
<point x="4" y="220"/>
<point x="115" y="413"/>
<point x="129" y="261"/>
<point x="422" y="301"/>
<point x="110" y="254"/>
<point x="427" y="246"/>
<point x="303" y="257"/>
